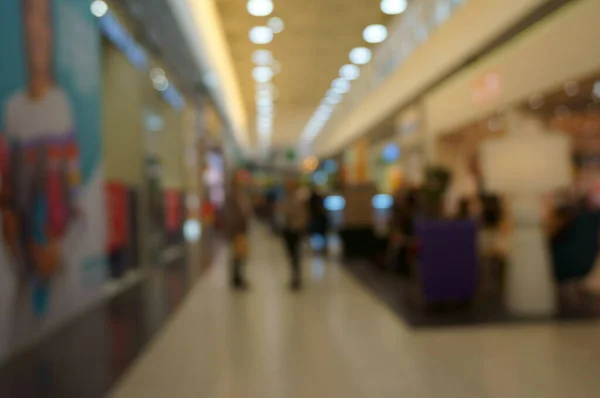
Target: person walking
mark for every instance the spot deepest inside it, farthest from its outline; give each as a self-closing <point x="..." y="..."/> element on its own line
<point x="318" y="221"/>
<point x="237" y="217"/>
<point x="293" y="213"/>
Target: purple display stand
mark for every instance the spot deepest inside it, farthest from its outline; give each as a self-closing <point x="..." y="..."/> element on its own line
<point x="448" y="260"/>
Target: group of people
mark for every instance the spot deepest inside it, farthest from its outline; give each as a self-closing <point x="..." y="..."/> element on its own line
<point x="298" y="211"/>
<point x="572" y="224"/>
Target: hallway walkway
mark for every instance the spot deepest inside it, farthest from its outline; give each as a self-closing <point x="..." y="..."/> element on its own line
<point x="335" y="340"/>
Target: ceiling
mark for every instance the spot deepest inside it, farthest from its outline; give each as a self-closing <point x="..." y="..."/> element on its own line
<point x="160" y="31"/>
<point x="315" y="43"/>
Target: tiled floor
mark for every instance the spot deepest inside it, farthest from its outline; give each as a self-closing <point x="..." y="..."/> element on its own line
<point x="402" y="295"/>
<point x="87" y="356"/>
<point x="335" y="339"/>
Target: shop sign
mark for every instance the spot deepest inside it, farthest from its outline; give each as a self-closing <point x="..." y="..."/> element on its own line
<point x="487" y="88"/>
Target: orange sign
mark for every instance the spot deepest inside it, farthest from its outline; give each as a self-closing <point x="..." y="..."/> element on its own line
<point x="486" y="88"/>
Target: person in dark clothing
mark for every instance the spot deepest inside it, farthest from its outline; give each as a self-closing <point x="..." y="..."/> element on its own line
<point x="402" y="229"/>
<point x="574" y="241"/>
<point x="237" y="213"/>
<point x="318" y="218"/>
<point x="293" y="214"/>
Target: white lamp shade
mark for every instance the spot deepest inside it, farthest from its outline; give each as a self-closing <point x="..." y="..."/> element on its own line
<point x="526" y="162"/>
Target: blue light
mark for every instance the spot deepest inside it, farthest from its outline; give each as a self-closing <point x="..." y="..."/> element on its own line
<point x="317" y="242"/>
<point x="320" y="177"/>
<point x="116" y="33"/>
<point x="192" y="230"/>
<point x="391" y="153"/>
<point x="382" y="202"/>
<point x="330" y="166"/>
<point x="335" y="203"/>
<point x="172" y="96"/>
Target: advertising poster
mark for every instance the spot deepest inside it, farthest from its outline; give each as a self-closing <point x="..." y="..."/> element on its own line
<point x="118" y="242"/>
<point x="173" y="211"/>
<point x="52" y="241"/>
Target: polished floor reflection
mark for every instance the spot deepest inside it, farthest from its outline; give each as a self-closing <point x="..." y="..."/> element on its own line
<point x="86" y="357"/>
<point x="334" y="339"/>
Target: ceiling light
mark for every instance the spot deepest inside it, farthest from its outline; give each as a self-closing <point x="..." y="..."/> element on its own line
<point x="261" y="35"/>
<point x="536" y="101"/>
<point x="571" y="88"/>
<point x="265" y="108"/>
<point x="333" y="98"/>
<point x="276" y="24"/>
<point x="341" y="86"/>
<point x="263" y="101"/>
<point x="360" y="56"/>
<point x="99" y="8"/>
<point x="596" y="91"/>
<point x="260" y="8"/>
<point x="157" y="74"/>
<point x="393" y="7"/>
<point x="350" y="72"/>
<point x="325" y="110"/>
<point x="161" y="84"/>
<point x="262" y="57"/>
<point x="262" y="74"/>
<point x="375" y="33"/>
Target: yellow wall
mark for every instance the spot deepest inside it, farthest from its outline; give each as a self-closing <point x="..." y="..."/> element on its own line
<point x="563" y="47"/>
<point x="123" y="87"/>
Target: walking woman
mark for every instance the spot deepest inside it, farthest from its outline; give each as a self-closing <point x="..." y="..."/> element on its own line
<point x="237" y="217"/>
<point x="293" y="211"/>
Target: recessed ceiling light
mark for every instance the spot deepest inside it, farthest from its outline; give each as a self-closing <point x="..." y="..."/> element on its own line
<point x="393" y="7"/>
<point x="375" y="33"/>
<point x="99" y="8"/>
<point x="157" y="74"/>
<point x="276" y="24"/>
<point x="536" y="101"/>
<point x="260" y="8"/>
<point x="263" y="101"/>
<point x="261" y="35"/>
<point x="325" y="109"/>
<point x="571" y="88"/>
<point x="333" y="98"/>
<point x="161" y="84"/>
<point x="350" y="72"/>
<point x="262" y="74"/>
<point x="341" y="86"/>
<point x="596" y="91"/>
<point x="360" y="56"/>
<point x="262" y="57"/>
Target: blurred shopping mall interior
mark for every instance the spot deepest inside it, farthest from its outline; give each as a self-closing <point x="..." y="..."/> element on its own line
<point x="299" y="198"/>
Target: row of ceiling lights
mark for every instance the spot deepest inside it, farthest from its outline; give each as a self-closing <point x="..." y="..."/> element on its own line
<point x="265" y="68"/>
<point x="372" y="34"/>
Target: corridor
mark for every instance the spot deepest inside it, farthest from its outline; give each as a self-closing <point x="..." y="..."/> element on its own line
<point x="334" y="339"/>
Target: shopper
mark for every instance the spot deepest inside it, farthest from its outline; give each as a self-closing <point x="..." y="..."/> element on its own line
<point x="237" y="217"/>
<point x="402" y="237"/>
<point x="293" y="213"/>
<point x="318" y="220"/>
